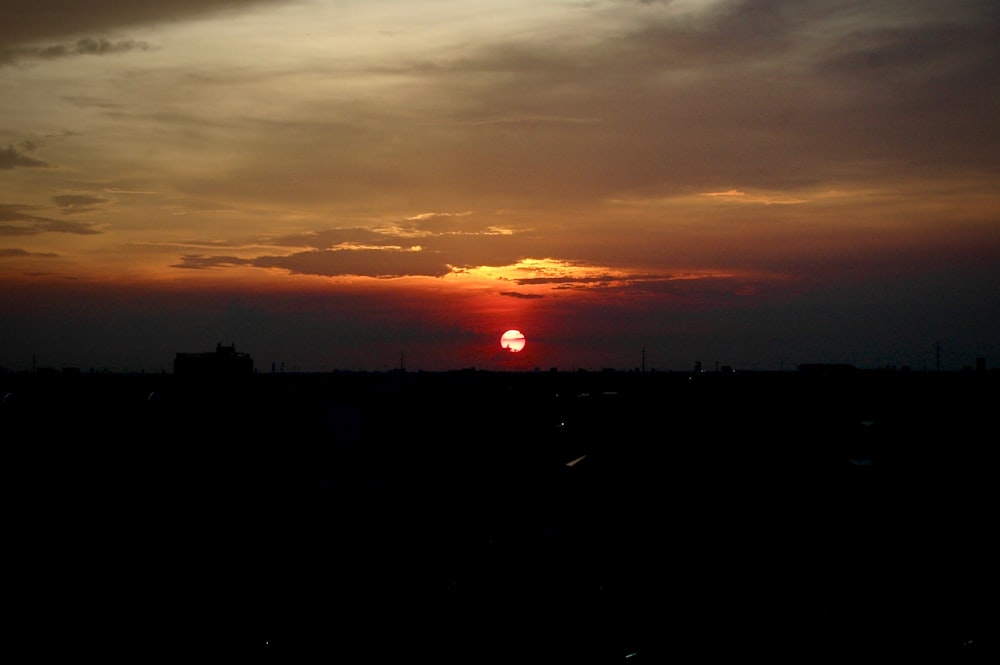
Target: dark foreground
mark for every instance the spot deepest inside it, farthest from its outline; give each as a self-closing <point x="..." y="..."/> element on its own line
<point x="382" y="517"/>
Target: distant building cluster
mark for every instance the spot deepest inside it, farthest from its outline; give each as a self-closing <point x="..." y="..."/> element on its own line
<point x="224" y="361"/>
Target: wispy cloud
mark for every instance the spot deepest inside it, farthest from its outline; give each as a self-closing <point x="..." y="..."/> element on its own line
<point x="45" y="20"/>
<point x="15" y="253"/>
<point x="738" y="196"/>
<point x="86" y="46"/>
<point x="15" y="222"/>
<point x="517" y="118"/>
<point x="12" y="158"/>
<point x="119" y="190"/>
<point x="431" y="215"/>
<point x="76" y="203"/>
<point x="378" y="263"/>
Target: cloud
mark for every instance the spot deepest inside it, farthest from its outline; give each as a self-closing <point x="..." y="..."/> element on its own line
<point x="15" y="253"/>
<point x="421" y="245"/>
<point x="203" y="262"/>
<point x="517" y="118"/>
<point x="431" y="215"/>
<point x="329" y="238"/>
<point x="86" y="46"/>
<point x="378" y="263"/>
<point x="738" y="196"/>
<point x="41" y="20"/>
<point x="775" y="95"/>
<point x="908" y="50"/>
<point x="74" y="203"/>
<point x="384" y="263"/>
<point x="10" y="158"/>
<point x="522" y="296"/>
<point x="118" y="190"/>
<point x="439" y="226"/>
<point x="35" y="273"/>
<point x="14" y="222"/>
<point x="728" y="32"/>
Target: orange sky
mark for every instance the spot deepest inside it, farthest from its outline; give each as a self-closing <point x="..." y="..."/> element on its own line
<point x="351" y="185"/>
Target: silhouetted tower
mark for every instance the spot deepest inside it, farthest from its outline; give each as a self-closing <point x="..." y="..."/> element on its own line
<point x="937" y="356"/>
<point x="643" y="359"/>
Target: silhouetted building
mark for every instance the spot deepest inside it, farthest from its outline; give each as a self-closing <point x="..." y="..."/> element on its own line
<point x="225" y="361"/>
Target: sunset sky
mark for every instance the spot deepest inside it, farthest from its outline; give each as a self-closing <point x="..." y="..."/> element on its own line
<point x="364" y="184"/>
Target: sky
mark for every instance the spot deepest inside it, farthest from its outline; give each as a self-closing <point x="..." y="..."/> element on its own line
<point x="368" y="185"/>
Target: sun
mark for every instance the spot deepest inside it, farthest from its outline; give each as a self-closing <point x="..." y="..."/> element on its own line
<point x="512" y="341"/>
